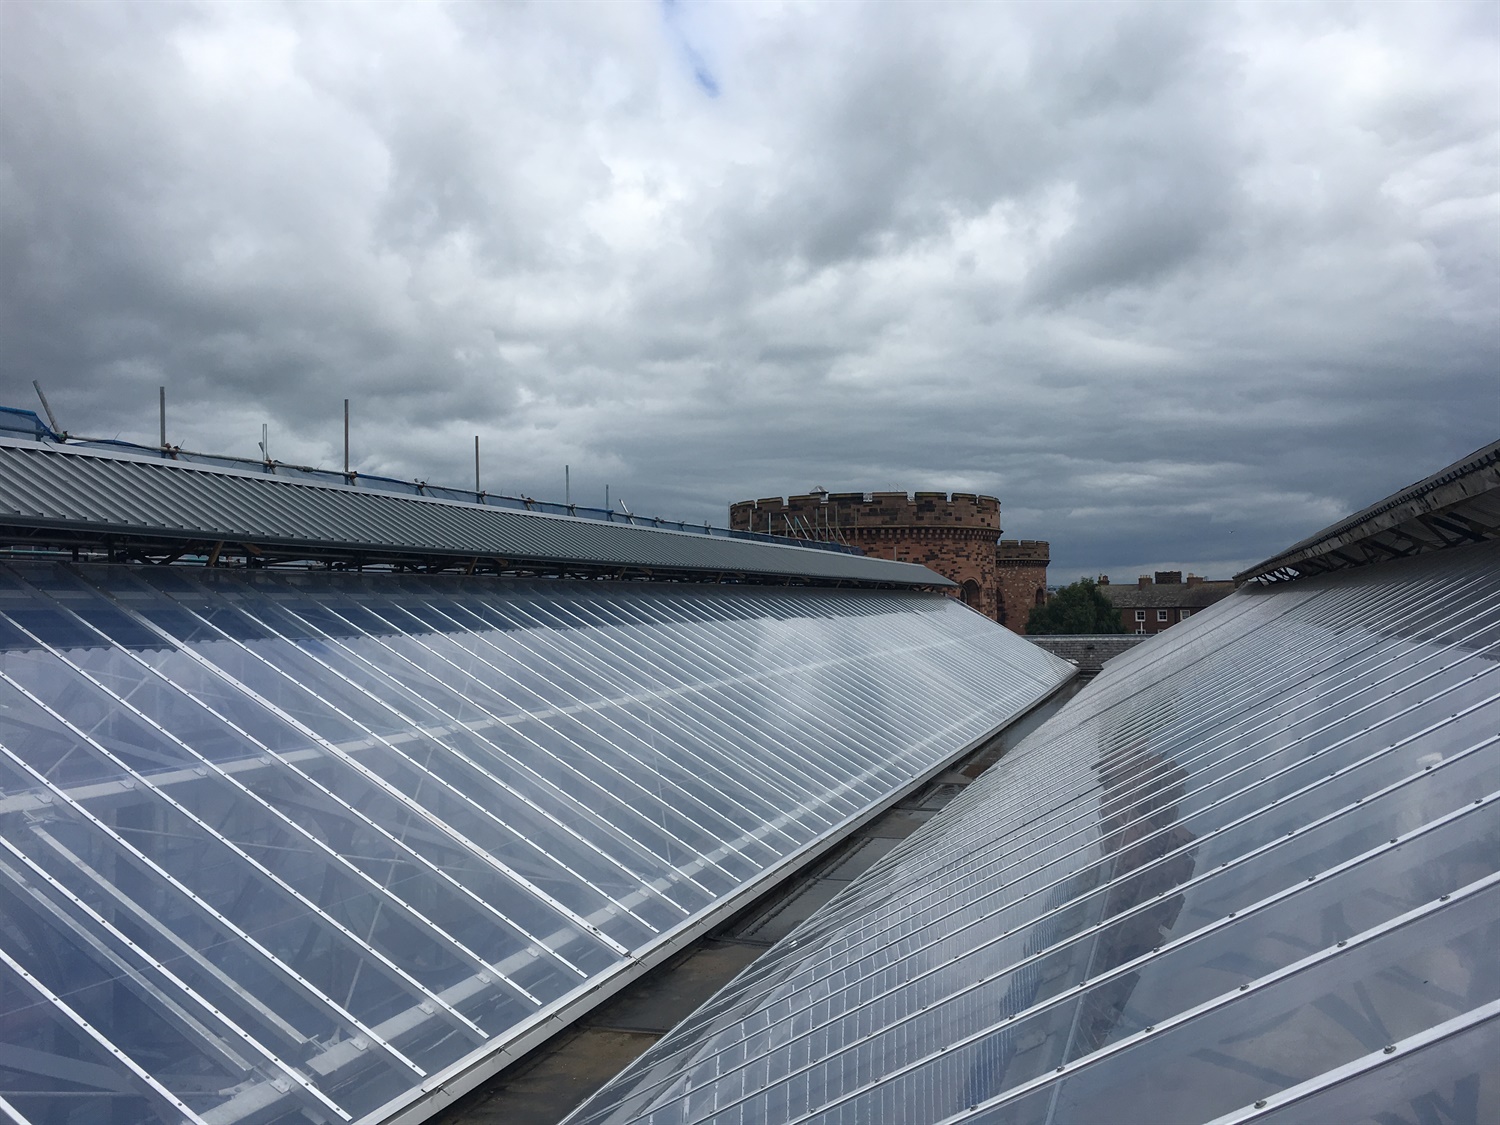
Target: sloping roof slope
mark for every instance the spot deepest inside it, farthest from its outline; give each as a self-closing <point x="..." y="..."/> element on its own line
<point x="1252" y="873"/>
<point x="1166" y="595"/>
<point x="292" y="846"/>
<point x="55" y="494"/>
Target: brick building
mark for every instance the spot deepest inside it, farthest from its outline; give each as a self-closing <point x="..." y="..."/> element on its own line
<point x="956" y="534"/>
<point x="1154" y="604"/>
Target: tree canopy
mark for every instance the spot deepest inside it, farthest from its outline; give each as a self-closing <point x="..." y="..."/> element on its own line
<point x="1079" y="608"/>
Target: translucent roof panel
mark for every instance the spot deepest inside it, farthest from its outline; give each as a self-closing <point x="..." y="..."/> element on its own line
<point x="1247" y="872"/>
<point x="303" y="846"/>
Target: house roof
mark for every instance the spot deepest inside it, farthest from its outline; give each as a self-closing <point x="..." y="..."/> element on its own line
<point x="1166" y="595"/>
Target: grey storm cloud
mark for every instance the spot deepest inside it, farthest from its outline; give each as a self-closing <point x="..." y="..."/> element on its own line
<point x="1179" y="283"/>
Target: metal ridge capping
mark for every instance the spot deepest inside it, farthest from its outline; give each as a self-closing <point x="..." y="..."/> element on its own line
<point x="1456" y="484"/>
<point x="132" y="498"/>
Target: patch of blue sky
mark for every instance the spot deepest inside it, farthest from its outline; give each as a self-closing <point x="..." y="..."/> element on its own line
<point x="671" y="16"/>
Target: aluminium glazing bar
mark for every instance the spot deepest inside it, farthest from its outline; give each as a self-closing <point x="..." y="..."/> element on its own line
<point x="936" y="935"/>
<point x="1448" y="901"/>
<point x="370" y="775"/>
<point x="813" y="753"/>
<point x="140" y="858"/>
<point x="997" y="890"/>
<point x="210" y="1039"/>
<point x="27" y="880"/>
<point x="1329" y="615"/>
<point x="1278" y="1103"/>
<point x="1232" y="796"/>
<point x="458" y="755"/>
<point x="639" y="659"/>
<point x="1125" y="969"/>
<point x="676" y="699"/>
<point x="361" y="947"/>
<point x="295" y="827"/>
<point x="159" y="1094"/>
<point x="584" y="705"/>
<point x="496" y="722"/>
<point x="934" y="891"/>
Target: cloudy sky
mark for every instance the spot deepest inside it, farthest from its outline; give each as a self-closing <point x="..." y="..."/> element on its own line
<point x="1179" y="282"/>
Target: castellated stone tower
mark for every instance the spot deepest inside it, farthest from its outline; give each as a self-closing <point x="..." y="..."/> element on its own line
<point x="1021" y="573"/>
<point x="956" y="534"/>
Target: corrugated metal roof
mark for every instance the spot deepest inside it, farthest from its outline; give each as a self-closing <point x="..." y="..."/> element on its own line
<point x="136" y="499"/>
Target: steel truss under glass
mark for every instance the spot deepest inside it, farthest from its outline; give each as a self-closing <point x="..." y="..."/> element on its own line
<point x="1252" y="873"/>
<point x="303" y="846"/>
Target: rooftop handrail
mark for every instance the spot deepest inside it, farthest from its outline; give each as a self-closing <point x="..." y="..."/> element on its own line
<point x="26" y="422"/>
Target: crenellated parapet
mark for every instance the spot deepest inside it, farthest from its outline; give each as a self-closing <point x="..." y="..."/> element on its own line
<point x="1023" y="552"/>
<point x="963" y="513"/>
<point x="956" y="534"/>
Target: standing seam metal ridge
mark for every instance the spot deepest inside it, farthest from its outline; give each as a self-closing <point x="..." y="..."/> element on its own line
<point x="151" y="493"/>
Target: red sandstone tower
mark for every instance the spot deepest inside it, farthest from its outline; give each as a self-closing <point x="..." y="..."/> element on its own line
<point x="1021" y="566"/>
<point x="956" y="534"/>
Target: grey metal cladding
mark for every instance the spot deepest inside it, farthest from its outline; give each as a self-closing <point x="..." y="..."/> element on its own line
<point x="44" y="488"/>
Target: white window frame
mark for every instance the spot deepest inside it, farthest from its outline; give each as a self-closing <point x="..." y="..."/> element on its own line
<point x="1186" y="613"/>
<point x="1161" y="615"/>
<point x="1140" y="615"/>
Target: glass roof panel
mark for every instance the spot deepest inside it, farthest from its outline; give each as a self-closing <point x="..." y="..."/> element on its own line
<point x="1252" y="851"/>
<point x="287" y="846"/>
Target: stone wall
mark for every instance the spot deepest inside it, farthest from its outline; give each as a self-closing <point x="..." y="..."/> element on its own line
<point x="955" y="534"/>
<point x="1021" y="580"/>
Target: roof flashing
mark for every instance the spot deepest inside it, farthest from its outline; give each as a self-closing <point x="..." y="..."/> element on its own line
<point x="1455" y="506"/>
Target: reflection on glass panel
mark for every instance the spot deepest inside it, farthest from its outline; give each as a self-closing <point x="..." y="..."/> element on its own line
<point x="1335" y="1011"/>
<point x="294" y="842"/>
<point x="1281" y="777"/>
<point x="1452" y="1081"/>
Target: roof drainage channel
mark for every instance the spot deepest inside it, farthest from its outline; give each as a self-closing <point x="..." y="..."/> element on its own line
<point x="551" y="1081"/>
